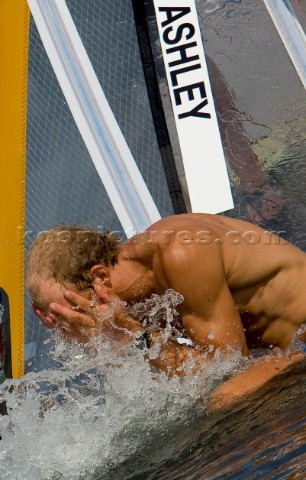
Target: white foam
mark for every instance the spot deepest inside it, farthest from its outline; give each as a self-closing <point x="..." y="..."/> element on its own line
<point x="103" y="406"/>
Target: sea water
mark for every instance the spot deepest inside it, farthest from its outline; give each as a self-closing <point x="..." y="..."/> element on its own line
<point x="105" y="413"/>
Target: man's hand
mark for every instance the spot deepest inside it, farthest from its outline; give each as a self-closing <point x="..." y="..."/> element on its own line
<point x="103" y="313"/>
<point x="72" y="323"/>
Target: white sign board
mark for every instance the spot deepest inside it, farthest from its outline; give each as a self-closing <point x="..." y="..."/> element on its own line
<point x="193" y="106"/>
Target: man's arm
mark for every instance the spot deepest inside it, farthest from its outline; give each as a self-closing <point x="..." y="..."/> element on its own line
<point x="208" y="312"/>
<point x="251" y="379"/>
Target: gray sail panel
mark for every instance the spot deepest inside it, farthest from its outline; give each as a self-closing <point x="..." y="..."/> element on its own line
<point x="261" y="105"/>
<point x="62" y="183"/>
<point x="109" y="35"/>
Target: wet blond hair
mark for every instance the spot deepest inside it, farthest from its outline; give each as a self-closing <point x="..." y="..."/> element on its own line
<point x="66" y="254"/>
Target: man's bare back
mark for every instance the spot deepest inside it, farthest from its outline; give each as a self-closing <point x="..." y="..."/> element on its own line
<point x="226" y="269"/>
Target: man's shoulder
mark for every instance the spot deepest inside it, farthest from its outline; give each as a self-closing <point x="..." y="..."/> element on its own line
<point x="183" y="239"/>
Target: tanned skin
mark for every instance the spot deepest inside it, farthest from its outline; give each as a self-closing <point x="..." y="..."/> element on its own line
<point x="242" y="287"/>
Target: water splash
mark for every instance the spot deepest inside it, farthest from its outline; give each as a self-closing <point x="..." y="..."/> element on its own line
<point x="102" y="408"/>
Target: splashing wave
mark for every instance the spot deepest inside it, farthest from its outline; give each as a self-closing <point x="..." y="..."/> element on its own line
<point x="104" y="407"/>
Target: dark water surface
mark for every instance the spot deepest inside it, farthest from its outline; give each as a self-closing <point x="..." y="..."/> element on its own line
<point x="263" y="437"/>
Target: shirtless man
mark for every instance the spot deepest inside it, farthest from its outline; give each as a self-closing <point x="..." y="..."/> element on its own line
<point x="242" y="286"/>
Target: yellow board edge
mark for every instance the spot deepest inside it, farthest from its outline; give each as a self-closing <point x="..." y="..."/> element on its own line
<point x="14" y="41"/>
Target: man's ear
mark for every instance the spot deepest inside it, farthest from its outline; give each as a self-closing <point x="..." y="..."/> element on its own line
<point x="101" y="272"/>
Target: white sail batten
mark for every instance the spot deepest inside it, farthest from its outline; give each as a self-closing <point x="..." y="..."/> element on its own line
<point x="95" y="120"/>
<point x="193" y="106"/>
<point x="291" y="33"/>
